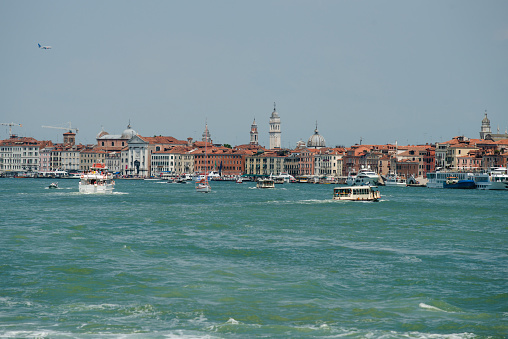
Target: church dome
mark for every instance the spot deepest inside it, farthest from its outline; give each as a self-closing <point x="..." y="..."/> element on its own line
<point x="485" y="120"/>
<point x="316" y="140"/>
<point x="101" y="134"/>
<point x="129" y="132"/>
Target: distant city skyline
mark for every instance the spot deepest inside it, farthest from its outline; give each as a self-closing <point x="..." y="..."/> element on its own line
<point x="60" y="130"/>
<point x="412" y="72"/>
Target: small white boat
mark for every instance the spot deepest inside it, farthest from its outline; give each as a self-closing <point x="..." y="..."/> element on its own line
<point x="265" y="183"/>
<point x="239" y="180"/>
<point x="53" y="185"/>
<point x="97" y="180"/>
<point x="203" y="186"/>
<point x="394" y="180"/>
<point x="285" y="176"/>
<point x="356" y="193"/>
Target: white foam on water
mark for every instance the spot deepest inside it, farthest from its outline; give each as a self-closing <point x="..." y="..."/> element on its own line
<point x="429" y="307"/>
<point x="232" y="321"/>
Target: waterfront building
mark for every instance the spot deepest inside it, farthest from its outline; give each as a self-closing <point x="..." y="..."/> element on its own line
<point x="70" y="158"/>
<point x="226" y="161"/>
<point x="20" y="156"/>
<point x="329" y="162"/>
<point x="139" y="157"/>
<point x="115" y="141"/>
<point x="163" y="162"/>
<point x="175" y="161"/>
<point x="407" y="168"/>
<point x="292" y="163"/>
<point x="421" y="154"/>
<point x="91" y="155"/>
<point x="114" y="161"/>
<point x="254" y="133"/>
<point x="264" y="163"/>
<point x="44" y="159"/>
<point x="471" y="162"/>
<point x="358" y="157"/>
<point x="275" y="132"/>
<point x="124" y="161"/>
<point x="446" y="153"/>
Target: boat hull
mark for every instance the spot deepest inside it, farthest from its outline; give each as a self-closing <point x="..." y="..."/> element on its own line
<point x="461" y="184"/>
<point x="101" y="189"/>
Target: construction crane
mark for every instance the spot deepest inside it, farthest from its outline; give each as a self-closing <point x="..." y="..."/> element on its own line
<point x="10" y="124"/>
<point x="70" y="128"/>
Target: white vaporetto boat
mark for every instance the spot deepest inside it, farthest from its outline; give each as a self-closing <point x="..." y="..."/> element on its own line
<point x="97" y="180"/>
<point x="356" y="193"/>
<point x="265" y="183"/>
<point x="495" y="179"/>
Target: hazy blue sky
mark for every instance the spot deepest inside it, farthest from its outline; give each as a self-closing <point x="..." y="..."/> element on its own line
<point x="412" y="71"/>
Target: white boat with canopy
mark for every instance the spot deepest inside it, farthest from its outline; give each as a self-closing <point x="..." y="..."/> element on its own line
<point x="97" y="180"/>
<point x="356" y="193"/>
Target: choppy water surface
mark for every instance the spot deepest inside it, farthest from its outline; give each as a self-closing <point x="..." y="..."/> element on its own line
<point x="160" y="260"/>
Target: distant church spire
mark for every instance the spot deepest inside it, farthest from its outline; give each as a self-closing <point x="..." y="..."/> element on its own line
<point x="254" y="133"/>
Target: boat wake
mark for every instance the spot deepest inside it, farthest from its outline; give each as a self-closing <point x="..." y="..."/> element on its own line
<point x="430" y="308"/>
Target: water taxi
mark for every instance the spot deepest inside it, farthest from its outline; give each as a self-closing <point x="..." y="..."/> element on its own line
<point x="97" y="180"/>
<point x="265" y="183"/>
<point x="356" y="193"/>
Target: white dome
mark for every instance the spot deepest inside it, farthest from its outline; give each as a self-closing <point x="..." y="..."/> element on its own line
<point x="129" y="132"/>
<point x="316" y="140"/>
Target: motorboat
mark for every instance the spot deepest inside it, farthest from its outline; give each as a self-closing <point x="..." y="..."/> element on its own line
<point x="495" y="179"/>
<point x="53" y="185"/>
<point x="97" y="180"/>
<point x="366" y="177"/>
<point x="284" y="177"/>
<point x="265" y="183"/>
<point x="356" y="193"/>
<point x="394" y="180"/>
<point x="350" y="180"/>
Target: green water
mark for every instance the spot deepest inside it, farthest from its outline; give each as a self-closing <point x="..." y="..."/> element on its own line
<point x="160" y="260"/>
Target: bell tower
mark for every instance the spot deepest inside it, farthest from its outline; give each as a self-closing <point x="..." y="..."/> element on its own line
<point x="485" y="131"/>
<point x="274" y="129"/>
<point x="254" y="133"/>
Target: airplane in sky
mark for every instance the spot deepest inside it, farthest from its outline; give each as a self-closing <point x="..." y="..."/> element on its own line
<point x="44" y="47"/>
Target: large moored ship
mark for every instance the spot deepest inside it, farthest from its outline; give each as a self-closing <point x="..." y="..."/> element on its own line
<point x="495" y="179"/>
<point x="438" y="179"/>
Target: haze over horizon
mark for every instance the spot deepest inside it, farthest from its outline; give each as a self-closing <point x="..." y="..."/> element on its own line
<point x="412" y="72"/>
